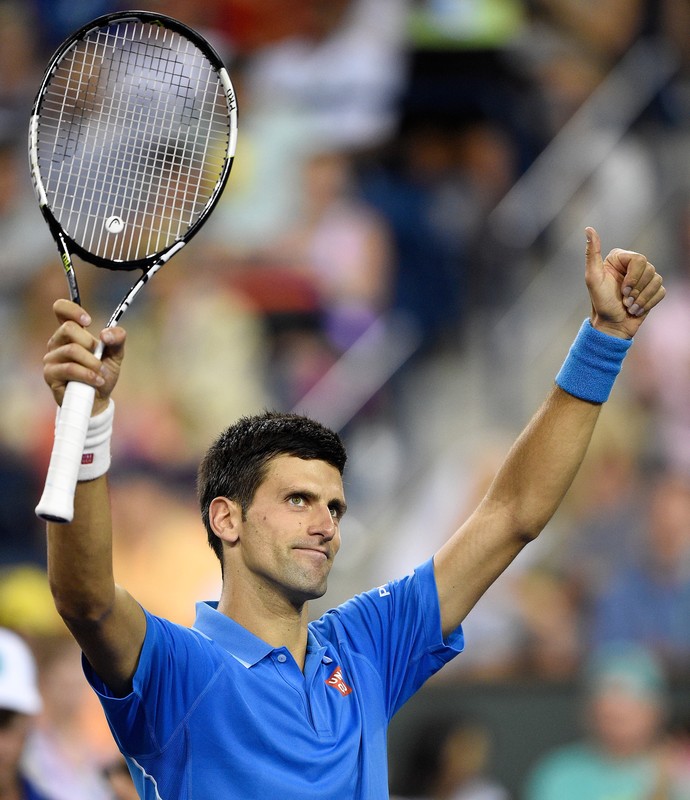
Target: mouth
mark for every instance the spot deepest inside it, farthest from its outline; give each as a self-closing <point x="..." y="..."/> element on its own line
<point x="314" y="552"/>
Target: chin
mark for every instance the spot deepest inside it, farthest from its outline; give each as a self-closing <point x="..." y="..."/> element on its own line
<point x="302" y="594"/>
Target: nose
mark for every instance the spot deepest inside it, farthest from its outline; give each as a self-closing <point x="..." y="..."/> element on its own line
<point x="324" y="523"/>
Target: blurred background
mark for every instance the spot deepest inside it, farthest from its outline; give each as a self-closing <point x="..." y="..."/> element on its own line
<point x="399" y="253"/>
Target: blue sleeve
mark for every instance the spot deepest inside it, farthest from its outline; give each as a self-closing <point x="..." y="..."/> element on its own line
<point x="143" y="721"/>
<point x="396" y="628"/>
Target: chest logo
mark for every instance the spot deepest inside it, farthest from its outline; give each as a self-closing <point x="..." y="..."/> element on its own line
<point x="337" y="682"/>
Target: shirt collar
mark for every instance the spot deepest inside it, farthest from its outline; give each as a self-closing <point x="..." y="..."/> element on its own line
<point x="230" y="635"/>
<point x="243" y="645"/>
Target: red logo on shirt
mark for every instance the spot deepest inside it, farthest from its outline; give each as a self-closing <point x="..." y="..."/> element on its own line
<point x="87" y="458"/>
<point x="337" y="682"/>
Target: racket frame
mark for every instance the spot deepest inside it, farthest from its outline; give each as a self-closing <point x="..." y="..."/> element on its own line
<point x="57" y="501"/>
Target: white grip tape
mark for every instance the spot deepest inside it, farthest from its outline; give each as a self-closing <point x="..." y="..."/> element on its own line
<point x="57" y="502"/>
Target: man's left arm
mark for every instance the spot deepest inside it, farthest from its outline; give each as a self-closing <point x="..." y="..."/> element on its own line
<point x="543" y="462"/>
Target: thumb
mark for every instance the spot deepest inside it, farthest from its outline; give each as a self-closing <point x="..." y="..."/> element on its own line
<point x="592" y="250"/>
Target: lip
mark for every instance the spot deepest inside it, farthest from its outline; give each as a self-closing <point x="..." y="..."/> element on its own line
<point x="313" y="550"/>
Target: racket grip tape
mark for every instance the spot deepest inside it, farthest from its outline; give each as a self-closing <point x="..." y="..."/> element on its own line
<point x="57" y="501"/>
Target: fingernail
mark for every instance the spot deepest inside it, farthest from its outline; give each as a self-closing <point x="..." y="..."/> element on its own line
<point x="639" y="313"/>
<point x="634" y="309"/>
<point x="99" y="380"/>
<point x="628" y="301"/>
<point x="627" y="290"/>
<point x="85" y="319"/>
<point x="107" y="336"/>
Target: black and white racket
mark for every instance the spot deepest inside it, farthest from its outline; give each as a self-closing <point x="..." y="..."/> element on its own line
<point x="131" y="141"/>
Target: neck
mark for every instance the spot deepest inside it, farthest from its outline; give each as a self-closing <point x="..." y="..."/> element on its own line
<point x="268" y="616"/>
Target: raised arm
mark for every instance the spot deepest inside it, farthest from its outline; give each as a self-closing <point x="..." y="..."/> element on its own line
<point x="542" y="463"/>
<point x="106" y="621"/>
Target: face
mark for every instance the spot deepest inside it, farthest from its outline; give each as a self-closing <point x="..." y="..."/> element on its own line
<point x="624" y="724"/>
<point x="291" y="532"/>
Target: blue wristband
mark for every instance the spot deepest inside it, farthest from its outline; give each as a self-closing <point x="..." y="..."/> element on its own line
<point x="592" y="364"/>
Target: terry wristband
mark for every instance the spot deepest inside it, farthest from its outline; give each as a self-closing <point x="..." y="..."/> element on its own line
<point x="592" y="364"/>
<point x="95" y="460"/>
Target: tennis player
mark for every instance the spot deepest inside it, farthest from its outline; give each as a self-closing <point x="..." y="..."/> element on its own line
<point x="254" y="701"/>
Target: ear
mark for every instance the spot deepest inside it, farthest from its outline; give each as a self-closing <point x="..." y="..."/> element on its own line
<point x="225" y="517"/>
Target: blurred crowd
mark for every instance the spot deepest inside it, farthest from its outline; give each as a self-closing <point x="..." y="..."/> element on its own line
<point x="384" y="218"/>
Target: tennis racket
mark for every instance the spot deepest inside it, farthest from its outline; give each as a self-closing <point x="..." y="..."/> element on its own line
<point x="131" y="141"/>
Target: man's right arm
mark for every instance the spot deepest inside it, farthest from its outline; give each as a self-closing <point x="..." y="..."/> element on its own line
<point x="106" y="621"/>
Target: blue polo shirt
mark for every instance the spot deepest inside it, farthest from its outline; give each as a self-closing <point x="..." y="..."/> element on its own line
<point x="215" y="712"/>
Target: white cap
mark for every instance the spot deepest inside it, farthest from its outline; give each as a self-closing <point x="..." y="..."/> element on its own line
<point x="18" y="675"/>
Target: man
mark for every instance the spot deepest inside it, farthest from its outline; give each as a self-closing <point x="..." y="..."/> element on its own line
<point x="254" y="701"/>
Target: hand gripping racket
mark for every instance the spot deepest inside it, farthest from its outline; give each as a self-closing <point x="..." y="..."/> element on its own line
<point x="131" y="141"/>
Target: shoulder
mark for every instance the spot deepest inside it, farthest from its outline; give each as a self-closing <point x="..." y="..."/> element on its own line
<point x="403" y="613"/>
<point x="162" y="632"/>
<point x="385" y="601"/>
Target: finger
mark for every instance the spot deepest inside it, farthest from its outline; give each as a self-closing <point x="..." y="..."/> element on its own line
<point x="643" y="289"/>
<point x="653" y="293"/>
<point x="66" y="310"/>
<point x="114" y="341"/>
<point x="633" y="265"/>
<point x="113" y="338"/>
<point x="72" y="353"/>
<point x="656" y="299"/>
<point x="72" y="363"/>
<point x="71" y="332"/>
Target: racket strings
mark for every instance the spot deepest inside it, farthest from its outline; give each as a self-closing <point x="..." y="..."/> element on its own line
<point x="132" y="139"/>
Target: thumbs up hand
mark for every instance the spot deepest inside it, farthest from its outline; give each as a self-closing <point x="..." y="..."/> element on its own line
<point x="623" y="288"/>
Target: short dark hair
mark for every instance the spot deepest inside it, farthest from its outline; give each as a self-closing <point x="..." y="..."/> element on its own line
<point x="235" y="464"/>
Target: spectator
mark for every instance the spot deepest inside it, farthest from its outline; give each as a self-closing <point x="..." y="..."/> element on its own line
<point x="61" y="755"/>
<point x="413" y="188"/>
<point x="451" y="762"/>
<point x="648" y="603"/>
<point x="17" y="66"/>
<point x="619" y="22"/>
<point x="603" y="523"/>
<point x="343" y="72"/>
<point x="20" y="701"/>
<point x="662" y="376"/>
<point x="190" y="296"/>
<point x="625" y="705"/>
<point x="339" y="248"/>
<point x="342" y="246"/>
<point x="24" y="245"/>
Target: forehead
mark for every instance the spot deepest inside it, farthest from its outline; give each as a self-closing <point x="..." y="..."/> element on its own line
<point x="285" y="471"/>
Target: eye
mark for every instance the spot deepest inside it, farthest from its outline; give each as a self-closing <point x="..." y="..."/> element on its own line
<point x="297" y="500"/>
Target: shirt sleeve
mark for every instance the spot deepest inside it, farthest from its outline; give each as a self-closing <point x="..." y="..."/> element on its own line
<point x="169" y="650"/>
<point x="396" y="628"/>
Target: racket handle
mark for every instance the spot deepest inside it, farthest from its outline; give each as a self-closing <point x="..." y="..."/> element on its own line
<point x="57" y="502"/>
